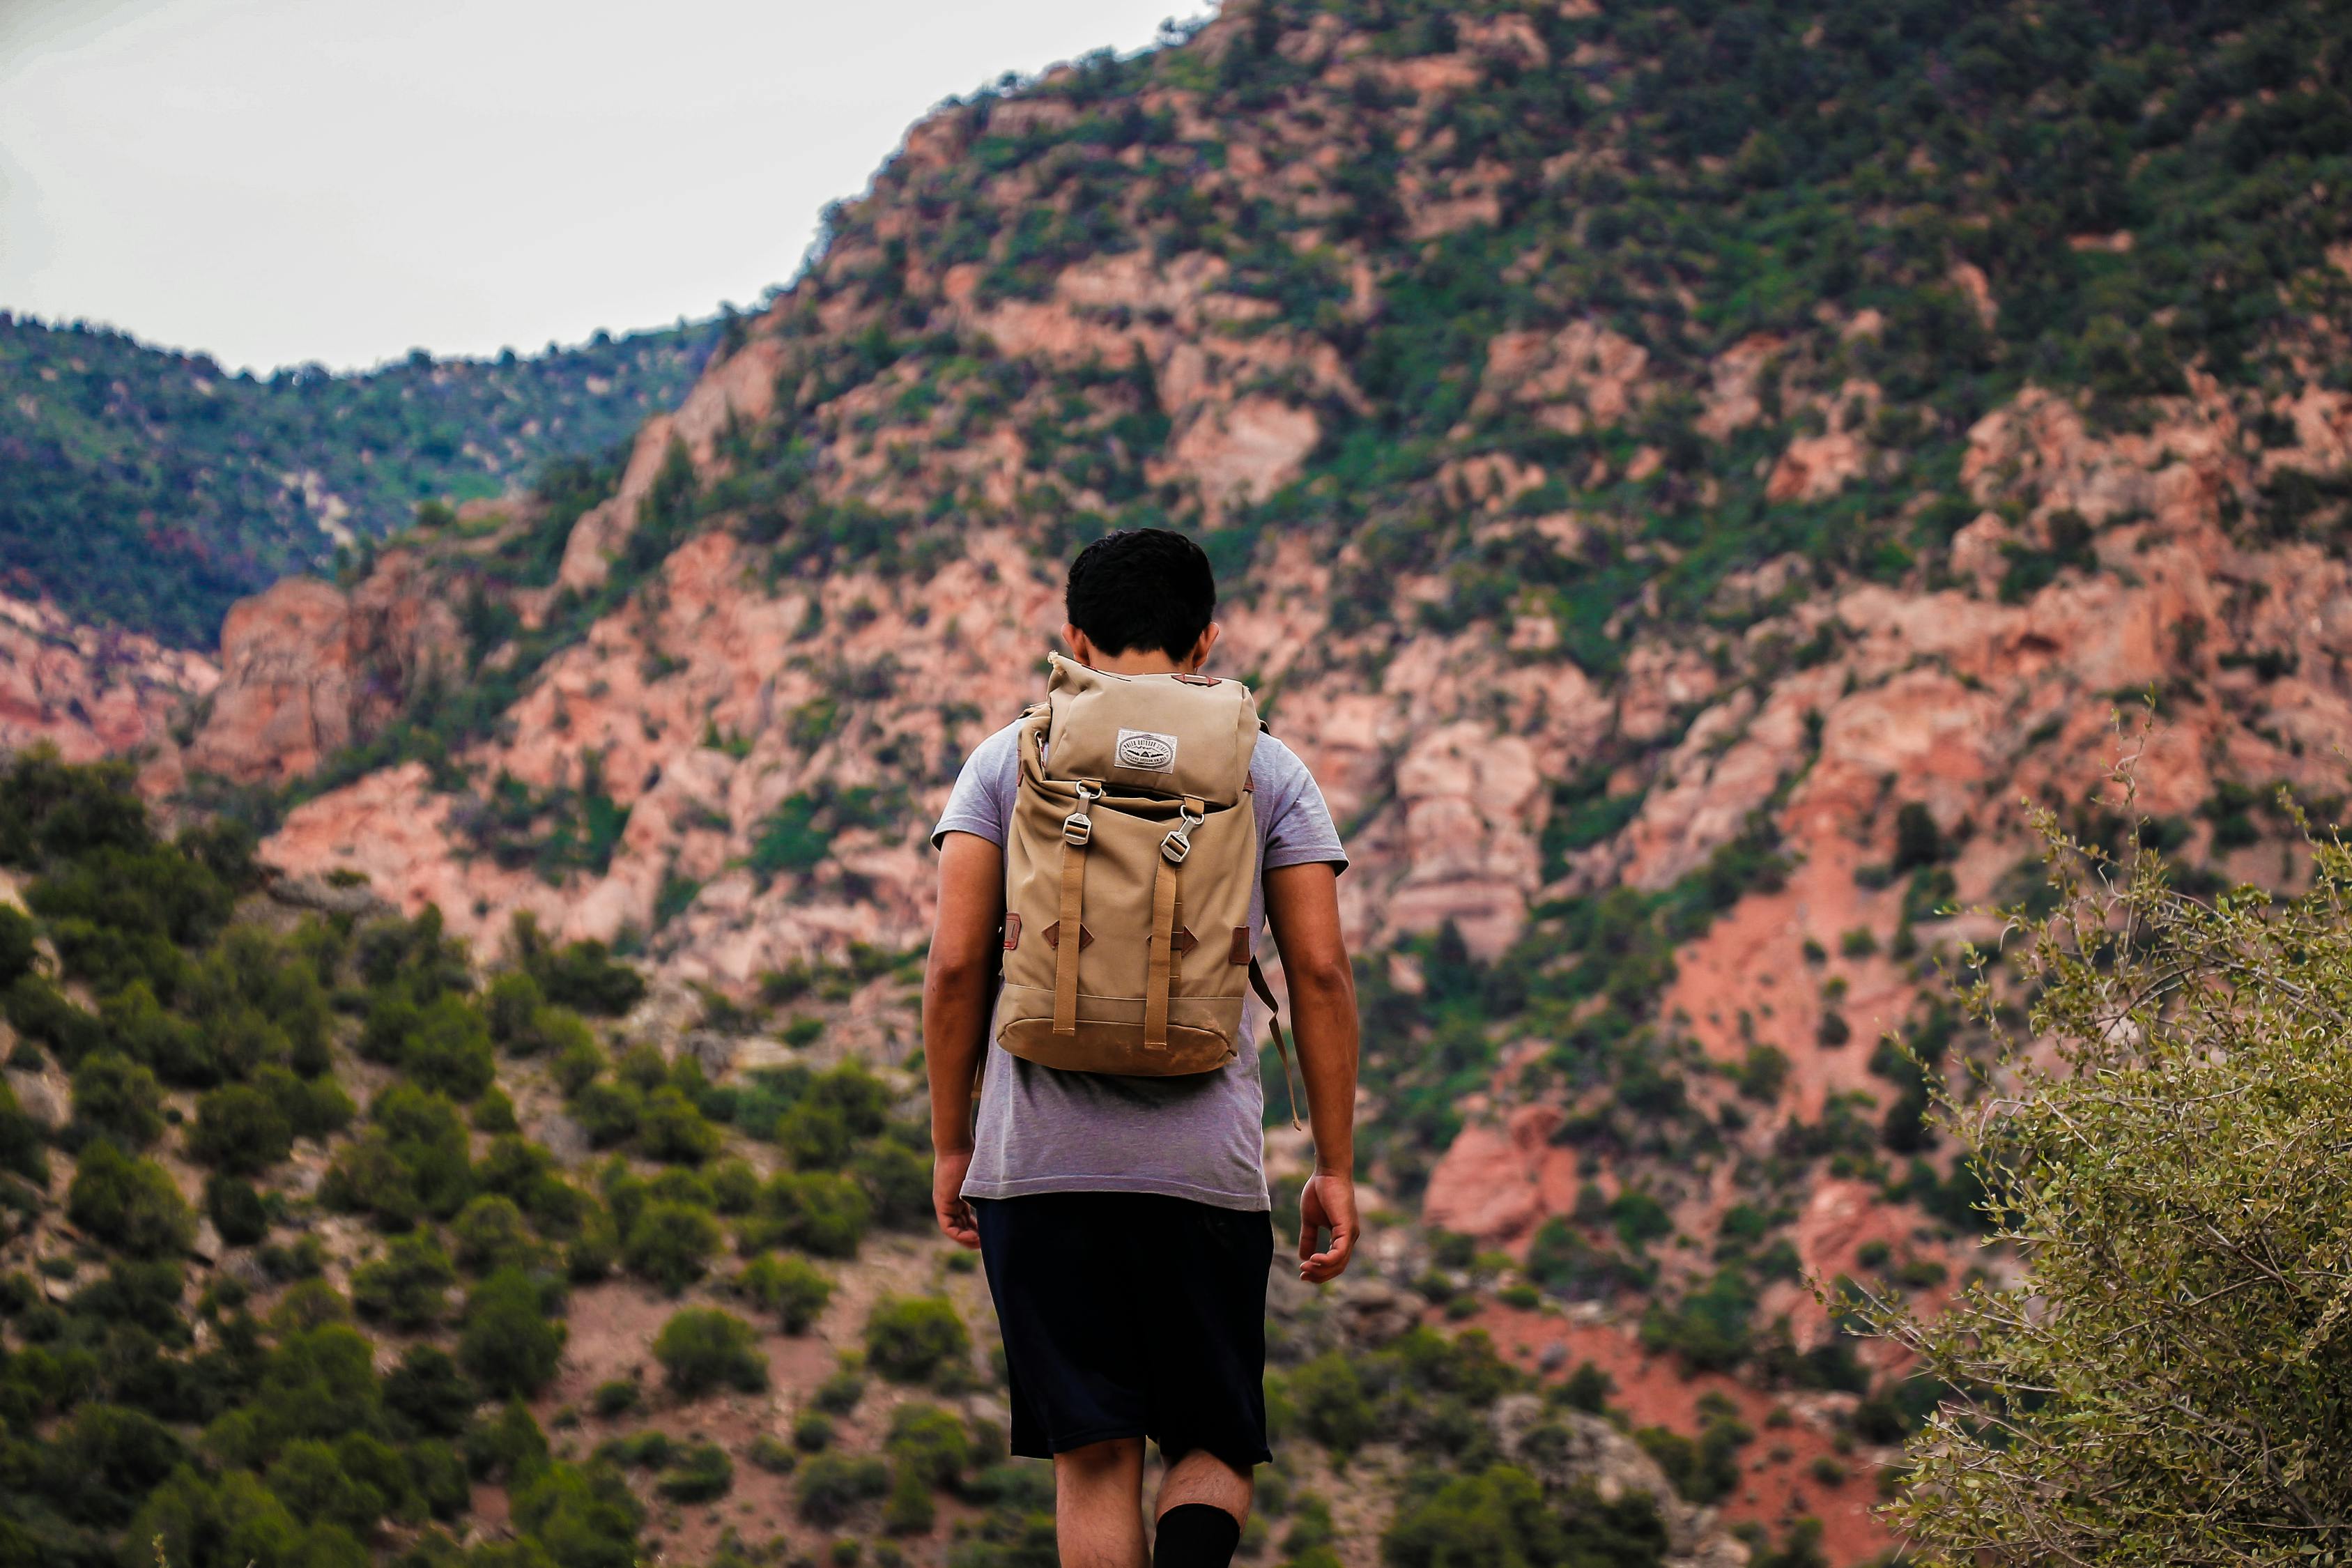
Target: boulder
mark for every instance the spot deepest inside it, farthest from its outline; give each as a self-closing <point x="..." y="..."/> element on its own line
<point x="40" y="1097"/>
<point x="1371" y="1312"/>
<point x="562" y="1137"/>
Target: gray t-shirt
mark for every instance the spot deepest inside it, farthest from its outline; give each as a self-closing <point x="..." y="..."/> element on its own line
<point x="1042" y="1130"/>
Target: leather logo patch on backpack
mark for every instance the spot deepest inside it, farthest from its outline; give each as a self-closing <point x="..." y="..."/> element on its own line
<point x="1147" y="751"/>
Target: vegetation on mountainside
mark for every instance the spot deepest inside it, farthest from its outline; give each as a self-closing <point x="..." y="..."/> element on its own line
<point x="186" y="1371"/>
<point x="149" y="490"/>
<point x="1656" y="178"/>
<point x="2165" y="1383"/>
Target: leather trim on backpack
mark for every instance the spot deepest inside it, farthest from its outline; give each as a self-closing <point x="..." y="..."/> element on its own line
<point x="1053" y="935"/>
<point x="1012" y="931"/>
<point x="1189" y="1050"/>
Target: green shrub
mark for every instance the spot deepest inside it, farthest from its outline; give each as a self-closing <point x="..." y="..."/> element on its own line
<point x="911" y="1339"/>
<point x="616" y="1397"/>
<point x="734" y="1185"/>
<point x="236" y="1209"/>
<point x="114" y="1097"/>
<point x="39" y="1012"/>
<point x="701" y="1472"/>
<point x="494" y="1111"/>
<point x="447" y="1048"/>
<point x="413" y="1161"/>
<point x="770" y="1455"/>
<point x="240" y="1130"/>
<point x="811" y="1431"/>
<point x="492" y="1233"/>
<point x="23" y="1140"/>
<point x="427" y="1393"/>
<point x="1708" y="1327"/>
<point x="310" y="1479"/>
<point x="907" y="1510"/>
<point x="1331" y="1404"/>
<point x="128" y="1203"/>
<point x="816" y="1211"/>
<point x="831" y="1485"/>
<point x="670" y="1243"/>
<point x="17" y="944"/>
<point x="573" y="1057"/>
<point x="510" y="1005"/>
<point x="790" y="1286"/>
<point x="929" y="1442"/>
<point x="609" y="1111"/>
<point x="408" y="1287"/>
<point x="101" y="1461"/>
<point x="582" y="975"/>
<point x="1639" y="1218"/>
<point x="900" y="1182"/>
<point x="814" y="1136"/>
<point x="1500" y="1516"/>
<point x="701" y="1347"/>
<point x="1763" y="1073"/>
<point x="839" y="1395"/>
<point x="671" y="1127"/>
<point x="1705" y="1469"/>
<point x="506" y="1342"/>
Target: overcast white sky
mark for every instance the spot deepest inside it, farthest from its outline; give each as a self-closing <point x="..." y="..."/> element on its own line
<point x="279" y="181"/>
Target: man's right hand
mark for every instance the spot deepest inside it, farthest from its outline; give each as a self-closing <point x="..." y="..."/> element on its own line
<point x="1329" y="1200"/>
<point x="954" y="1215"/>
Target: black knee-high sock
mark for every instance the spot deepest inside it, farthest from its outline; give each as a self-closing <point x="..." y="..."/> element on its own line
<point x="1196" y="1535"/>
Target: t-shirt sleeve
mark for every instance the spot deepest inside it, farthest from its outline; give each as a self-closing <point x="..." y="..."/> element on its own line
<point x="981" y="802"/>
<point x="1299" y="830"/>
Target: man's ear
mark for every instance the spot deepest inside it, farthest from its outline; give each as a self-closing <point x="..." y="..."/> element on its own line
<point x="1209" y="635"/>
<point x="1082" y="647"/>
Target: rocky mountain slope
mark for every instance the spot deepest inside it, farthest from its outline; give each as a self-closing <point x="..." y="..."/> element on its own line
<point x="147" y="490"/>
<point x="1692" y="480"/>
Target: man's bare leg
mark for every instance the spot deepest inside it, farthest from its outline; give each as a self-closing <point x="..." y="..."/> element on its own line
<point x="1200" y="1480"/>
<point x="1098" y="1505"/>
<point x="1201" y="1476"/>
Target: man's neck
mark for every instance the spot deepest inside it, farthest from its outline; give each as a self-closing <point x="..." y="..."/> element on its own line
<point x="1135" y="663"/>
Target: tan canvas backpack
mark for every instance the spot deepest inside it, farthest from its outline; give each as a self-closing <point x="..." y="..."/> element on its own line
<point x="1126" y="876"/>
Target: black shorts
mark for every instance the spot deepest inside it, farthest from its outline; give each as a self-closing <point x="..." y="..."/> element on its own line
<point x="1132" y="1315"/>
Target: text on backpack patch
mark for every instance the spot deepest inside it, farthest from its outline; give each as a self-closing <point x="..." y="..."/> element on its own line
<point x="1147" y="751"/>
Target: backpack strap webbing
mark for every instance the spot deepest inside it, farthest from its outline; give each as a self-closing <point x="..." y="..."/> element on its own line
<point x="1161" y="981"/>
<point x="1162" y="977"/>
<point x="1282" y="1047"/>
<point x="1077" y="830"/>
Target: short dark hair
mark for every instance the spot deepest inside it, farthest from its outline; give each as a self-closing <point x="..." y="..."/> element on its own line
<point x="1143" y="587"/>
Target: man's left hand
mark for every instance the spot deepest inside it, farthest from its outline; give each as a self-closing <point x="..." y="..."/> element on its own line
<point x="948" y="1205"/>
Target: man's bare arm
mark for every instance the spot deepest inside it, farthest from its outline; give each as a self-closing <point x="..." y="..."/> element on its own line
<point x="959" y="989"/>
<point x="1302" y="903"/>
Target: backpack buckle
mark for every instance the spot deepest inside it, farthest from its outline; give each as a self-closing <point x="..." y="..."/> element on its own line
<point x="1078" y="829"/>
<point x="1178" y="844"/>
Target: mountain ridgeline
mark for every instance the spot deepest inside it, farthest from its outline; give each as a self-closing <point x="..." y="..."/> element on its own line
<point x="149" y="490"/>
<point x="1703" y="485"/>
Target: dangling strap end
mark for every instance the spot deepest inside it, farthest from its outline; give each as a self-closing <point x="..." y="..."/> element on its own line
<point x="1281" y="1045"/>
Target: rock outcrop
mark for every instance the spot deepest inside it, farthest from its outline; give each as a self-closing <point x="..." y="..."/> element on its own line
<point x="93" y="692"/>
<point x="308" y="669"/>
